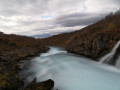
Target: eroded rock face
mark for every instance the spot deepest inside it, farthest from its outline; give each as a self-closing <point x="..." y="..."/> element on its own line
<point x="93" y="45"/>
<point x="45" y="85"/>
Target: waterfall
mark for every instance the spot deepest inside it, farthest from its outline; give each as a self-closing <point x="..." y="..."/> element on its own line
<point x="109" y="57"/>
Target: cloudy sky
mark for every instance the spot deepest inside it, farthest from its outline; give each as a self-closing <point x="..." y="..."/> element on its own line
<point x="48" y="17"/>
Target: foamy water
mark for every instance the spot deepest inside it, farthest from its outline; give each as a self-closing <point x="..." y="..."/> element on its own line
<point x="70" y="72"/>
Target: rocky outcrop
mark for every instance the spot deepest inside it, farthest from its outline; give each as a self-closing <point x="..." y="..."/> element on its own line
<point x="45" y="85"/>
<point x="92" y="46"/>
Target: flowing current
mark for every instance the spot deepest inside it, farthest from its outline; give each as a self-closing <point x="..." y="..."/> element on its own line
<point x="110" y="56"/>
<point x="70" y="72"/>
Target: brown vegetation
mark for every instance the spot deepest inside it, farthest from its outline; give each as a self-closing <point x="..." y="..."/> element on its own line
<point x="12" y="49"/>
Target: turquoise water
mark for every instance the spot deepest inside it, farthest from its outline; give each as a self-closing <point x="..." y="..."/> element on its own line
<point x="70" y="72"/>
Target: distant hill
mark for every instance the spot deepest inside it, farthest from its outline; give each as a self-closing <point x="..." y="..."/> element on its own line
<point x="41" y="35"/>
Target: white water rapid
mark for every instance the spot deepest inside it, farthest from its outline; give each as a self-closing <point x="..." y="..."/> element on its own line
<point x="70" y="72"/>
<point x="108" y="57"/>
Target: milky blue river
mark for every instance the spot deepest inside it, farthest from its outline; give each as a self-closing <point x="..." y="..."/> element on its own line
<point x="70" y="72"/>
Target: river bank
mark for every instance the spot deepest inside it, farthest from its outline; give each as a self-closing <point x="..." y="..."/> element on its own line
<point x="10" y="79"/>
<point x="13" y="49"/>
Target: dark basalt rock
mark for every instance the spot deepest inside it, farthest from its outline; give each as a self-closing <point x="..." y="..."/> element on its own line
<point x="45" y="85"/>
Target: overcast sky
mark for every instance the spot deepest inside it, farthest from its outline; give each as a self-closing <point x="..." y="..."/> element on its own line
<point x="48" y="17"/>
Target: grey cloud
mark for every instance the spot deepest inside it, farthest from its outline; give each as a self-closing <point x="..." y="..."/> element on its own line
<point x="77" y="19"/>
<point x="37" y="7"/>
<point x="45" y="28"/>
<point x="28" y="23"/>
<point x="26" y="7"/>
<point x="23" y="16"/>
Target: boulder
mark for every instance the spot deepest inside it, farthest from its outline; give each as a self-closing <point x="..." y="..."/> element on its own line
<point x="45" y="85"/>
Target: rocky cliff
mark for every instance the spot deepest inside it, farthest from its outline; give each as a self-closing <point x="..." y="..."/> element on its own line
<point x="97" y="39"/>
